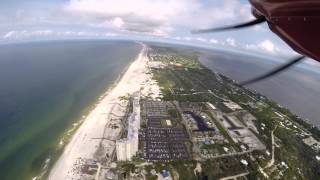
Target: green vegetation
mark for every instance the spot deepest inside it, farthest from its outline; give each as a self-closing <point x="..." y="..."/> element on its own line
<point x="223" y="167"/>
<point x="124" y="98"/>
<point x="183" y="78"/>
<point x="128" y="167"/>
<point x="185" y="170"/>
<point x="189" y="145"/>
<point x="149" y="176"/>
<point x="297" y="155"/>
<point x="174" y="114"/>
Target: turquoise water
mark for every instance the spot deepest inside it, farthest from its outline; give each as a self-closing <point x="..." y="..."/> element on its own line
<point x="45" y="88"/>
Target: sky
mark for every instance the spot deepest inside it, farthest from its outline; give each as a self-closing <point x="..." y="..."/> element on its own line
<point x="155" y="20"/>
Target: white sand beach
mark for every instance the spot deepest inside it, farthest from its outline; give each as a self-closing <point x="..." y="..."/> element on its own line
<point x="97" y="128"/>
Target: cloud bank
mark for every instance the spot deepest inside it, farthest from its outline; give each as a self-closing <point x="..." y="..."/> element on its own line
<point x="163" y="20"/>
<point x="46" y="33"/>
<point x="158" y="17"/>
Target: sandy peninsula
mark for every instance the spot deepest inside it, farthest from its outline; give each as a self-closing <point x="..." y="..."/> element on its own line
<point x="96" y="136"/>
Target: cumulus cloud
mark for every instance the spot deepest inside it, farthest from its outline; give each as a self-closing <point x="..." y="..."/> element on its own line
<point x="213" y="41"/>
<point x="41" y="32"/>
<point x="259" y="28"/>
<point x="265" y="46"/>
<point x="231" y="42"/>
<point x="268" y="46"/>
<point x="144" y="16"/>
<point x="24" y="34"/>
<point x="201" y="39"/>
<point x="110" y="34"/>
<point x="158" y="17"/>
<point x="117" y="22"/>
<point x="9" y="34"/>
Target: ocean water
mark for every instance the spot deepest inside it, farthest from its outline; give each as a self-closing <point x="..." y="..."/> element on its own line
<point x="45" y="88"/>
<point x="298" y="88"/>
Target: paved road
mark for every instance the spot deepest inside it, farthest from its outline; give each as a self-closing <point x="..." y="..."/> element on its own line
<point x="233" y="154"/>
<point x="271" y="162"/>
<point x="98" y="171"/>
<point x="235" y="176"/>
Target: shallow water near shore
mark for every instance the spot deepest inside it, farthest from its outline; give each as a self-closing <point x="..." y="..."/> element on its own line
<point x="45" y="89"/>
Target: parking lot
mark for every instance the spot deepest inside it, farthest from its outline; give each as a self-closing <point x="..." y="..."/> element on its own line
<point x="166" y="144"/>
<point x="163" y="142"/>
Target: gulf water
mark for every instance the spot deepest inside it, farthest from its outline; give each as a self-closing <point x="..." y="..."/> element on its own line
<point x="297" y="88"/>
<point x="45" y="89"/>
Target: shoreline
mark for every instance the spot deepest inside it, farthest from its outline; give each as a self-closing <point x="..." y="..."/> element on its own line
<point x="68" y="134"/>
<point x="81" y="145"/>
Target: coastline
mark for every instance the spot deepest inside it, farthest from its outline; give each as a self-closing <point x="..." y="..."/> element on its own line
<point x="68" y="134"/>
<point x="81" y="144"/>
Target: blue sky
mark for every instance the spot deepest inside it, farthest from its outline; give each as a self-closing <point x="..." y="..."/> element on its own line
<point x="160" y="20"/>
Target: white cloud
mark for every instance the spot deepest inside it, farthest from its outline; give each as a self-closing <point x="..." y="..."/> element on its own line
<point x="9" y="34"/>
<point x="117" y="22"/>
<point x="213" y="41"/>
<point x="69" y="33"/>
<point x="156" y="10"/>
<point x="259" y="28"/>
<point x="201" y="39"/>
<point x="231" y="42"/>
<point x="110" y="34"/>
<point x="177" y="38"/>
<point x="160" y="32"/>
<point x="263" y="47"/>
<point x="267" y="45"/>
<point x="187" y="38"/>
<point x="158" y="17"/>
<point x="24" y="34"/>
<point x="41" y="32"/>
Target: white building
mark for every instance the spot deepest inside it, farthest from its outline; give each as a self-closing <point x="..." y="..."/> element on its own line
<point x="232" y="105"/>
<point x="128" y="147"/>
<point x="121" y="146"/>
